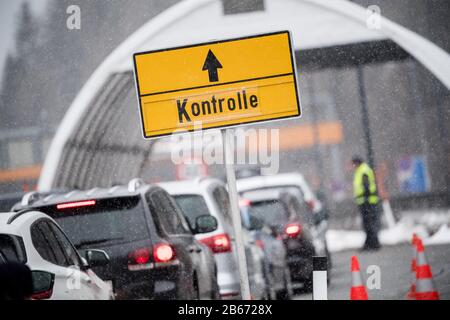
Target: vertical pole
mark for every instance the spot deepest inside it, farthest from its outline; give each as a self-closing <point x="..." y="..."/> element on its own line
<point x="365" y="115"/>
<point x="320" y="290"/>
<point x="315" y="130"/>
<point x="228" y="151"/>
<point x="387" y="210"/>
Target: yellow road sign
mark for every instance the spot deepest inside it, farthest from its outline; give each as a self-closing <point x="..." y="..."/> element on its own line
<point x="218" y="84"/>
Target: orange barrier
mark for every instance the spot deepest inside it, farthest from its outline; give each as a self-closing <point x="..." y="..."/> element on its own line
<point x="412" y="291"/>
<point x="425" y="288"/>
<point x="358" y="290"/>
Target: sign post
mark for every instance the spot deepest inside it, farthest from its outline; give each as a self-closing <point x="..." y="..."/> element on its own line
<point x="228" y="150"/>
<point x="219" y="84"/>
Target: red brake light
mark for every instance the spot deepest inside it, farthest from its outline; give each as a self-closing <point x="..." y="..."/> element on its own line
<point x="244" y="203"/>
<point x="139" y="256"/>
<point x="42" y="295"/>
<point x="230" y="294"/>
<point x="218" y="243"/>
<point x="77" y="204"/>
<point x="259" y="243"/>
<point x="293" y="230"/>
<point x="141" y="259"/>
<point x="163" y="252"/>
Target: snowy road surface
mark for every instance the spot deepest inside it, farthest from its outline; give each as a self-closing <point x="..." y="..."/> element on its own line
<point x="394" y="262"/>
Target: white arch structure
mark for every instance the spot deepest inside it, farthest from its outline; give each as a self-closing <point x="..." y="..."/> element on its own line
<point x="313" y="23"/>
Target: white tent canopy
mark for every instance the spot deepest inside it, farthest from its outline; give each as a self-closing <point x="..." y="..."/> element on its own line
<point x="314" y="24"/>
<point x="311" y="26"/>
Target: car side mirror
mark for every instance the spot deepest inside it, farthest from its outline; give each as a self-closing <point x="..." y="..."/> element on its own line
<point x="96" y="258"/>
<point x="42" y="284"/>
<point x="275" y="231"/>
<point x="255" y="223"/>
<point x="205" y="223"/>
<point x="319" y="217"/>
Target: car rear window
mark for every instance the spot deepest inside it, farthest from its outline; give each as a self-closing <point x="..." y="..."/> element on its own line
<point x="294" y="190"/>
<point x="192" y="206"/>
<point x="272" y="212"/>
<point x="109" y="221"/>
<point x="12" y="249"/>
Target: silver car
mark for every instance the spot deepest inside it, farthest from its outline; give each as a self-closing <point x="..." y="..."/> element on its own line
<point x="209" y="196"/>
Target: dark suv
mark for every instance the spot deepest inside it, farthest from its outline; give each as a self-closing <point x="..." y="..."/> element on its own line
<point x="152" y="250"/>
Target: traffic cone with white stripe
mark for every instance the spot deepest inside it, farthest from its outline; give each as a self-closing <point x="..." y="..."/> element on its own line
<point x="412" y="291"/>
<point x="358" y="290"/>
<point x="425" y="288"/>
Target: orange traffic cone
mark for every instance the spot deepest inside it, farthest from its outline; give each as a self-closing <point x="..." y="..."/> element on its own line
<point x="358" y="290"/>
<point x="412" y="291"/>
<point x="425" y="288"/>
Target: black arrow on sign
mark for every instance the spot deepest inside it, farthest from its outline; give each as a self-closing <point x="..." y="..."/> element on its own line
<point x="212" y="64"/>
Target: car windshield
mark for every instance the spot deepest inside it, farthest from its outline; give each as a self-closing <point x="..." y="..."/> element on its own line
<point x="11" y="249"/>
<point x="109" y="221"/>
<point x="192" y="206"/>
<point x="272" y="212"/>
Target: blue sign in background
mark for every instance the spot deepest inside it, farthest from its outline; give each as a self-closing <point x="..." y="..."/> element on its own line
<point x="413" y="174"/>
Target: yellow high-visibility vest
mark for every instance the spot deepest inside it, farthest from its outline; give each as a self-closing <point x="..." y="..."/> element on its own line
<point x="358" y="185"/>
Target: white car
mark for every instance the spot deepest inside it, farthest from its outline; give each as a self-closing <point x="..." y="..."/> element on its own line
<point x="58" y="271"/>
<point x="209" y="196"/>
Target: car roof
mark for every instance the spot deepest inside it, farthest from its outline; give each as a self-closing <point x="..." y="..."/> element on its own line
<point x="10" y="222"/>
<point x="265" y="195"/>
<point x="276" y="180"/>
<point x="36" y="199"/>
<point x="195" y="186"/>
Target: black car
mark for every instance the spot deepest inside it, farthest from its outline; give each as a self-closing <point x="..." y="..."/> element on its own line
<point x="288" y="220"/>
<point x="153" y="253"/>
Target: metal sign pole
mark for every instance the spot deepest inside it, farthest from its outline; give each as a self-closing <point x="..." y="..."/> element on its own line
<point x="227" y="136"/>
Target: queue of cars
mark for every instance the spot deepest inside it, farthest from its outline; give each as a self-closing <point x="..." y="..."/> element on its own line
<point x="210" y="197"/>
<point x="169" y="241"/>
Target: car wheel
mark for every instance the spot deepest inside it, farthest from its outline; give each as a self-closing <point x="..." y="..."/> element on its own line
<point x="196" y="290"/>
<point x="270" y="294"/>
<point x="283" y="295"/>
<point x="329" y="265"/>
<point x="286" y="292"/>
<point x="215" y="291"/>
<point x="307" y="285"/>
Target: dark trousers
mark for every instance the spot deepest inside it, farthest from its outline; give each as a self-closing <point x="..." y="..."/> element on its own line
<point x="371" y="225"/>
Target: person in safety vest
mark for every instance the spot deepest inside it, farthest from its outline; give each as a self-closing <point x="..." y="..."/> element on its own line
<point x="366" y="197"/>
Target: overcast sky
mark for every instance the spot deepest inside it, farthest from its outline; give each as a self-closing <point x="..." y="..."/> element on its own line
<point x="8" y="15"/>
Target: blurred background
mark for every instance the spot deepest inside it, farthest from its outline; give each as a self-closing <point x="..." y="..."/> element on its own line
<point x="399" y="123"/>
